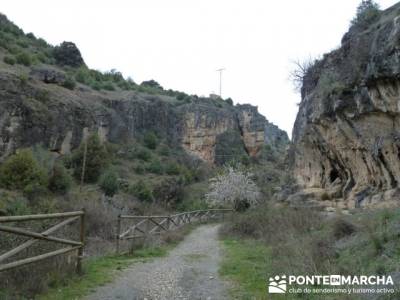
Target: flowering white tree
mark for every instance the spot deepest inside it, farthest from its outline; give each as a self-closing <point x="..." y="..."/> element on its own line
<point x="234" y="188"/>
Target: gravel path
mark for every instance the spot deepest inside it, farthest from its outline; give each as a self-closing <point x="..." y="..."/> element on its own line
<point x="190" y="271"/>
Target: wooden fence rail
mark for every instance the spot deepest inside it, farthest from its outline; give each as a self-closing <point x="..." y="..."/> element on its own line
<point x="70" y="245"/>
<point x="144" y="226"/>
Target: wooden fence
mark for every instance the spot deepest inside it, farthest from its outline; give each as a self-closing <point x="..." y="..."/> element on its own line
<point x="144" y="226"/>
<point x="69" y="217"/>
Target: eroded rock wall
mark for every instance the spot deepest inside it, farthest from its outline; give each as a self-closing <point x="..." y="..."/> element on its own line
<point x="35" y="112"/>
<point x="347" y="132"/>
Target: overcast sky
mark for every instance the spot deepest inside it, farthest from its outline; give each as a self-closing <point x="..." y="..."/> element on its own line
<point x="181" y="43"/>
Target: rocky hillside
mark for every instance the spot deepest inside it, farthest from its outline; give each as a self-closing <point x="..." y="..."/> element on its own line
<point x="347" y="132"/>
<point x="49" y="96"/>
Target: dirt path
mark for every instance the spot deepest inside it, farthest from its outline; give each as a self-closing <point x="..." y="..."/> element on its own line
<point x="190" y="271"/>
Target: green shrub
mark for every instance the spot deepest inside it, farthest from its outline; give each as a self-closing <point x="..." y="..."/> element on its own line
<point x="34" y="191"/>
<point x="42" y="43"/>
<point x="108" y="86"/>
<point x="173" y="168"/>
<point x="229" y="101"/>
<point x="24" y="59"/>
<point x="143" y="154"/>
<point x="44" y="157"/>
<point x="60" y="181"/>
<point x="109" y="183"/>
<point x="367" y="12"/>
<point x="142" y="191"/>
<point x="23" y="79"/>
<point x="187" y="99"/>
<point x="22" y="44"/>
<point x="43" y="96"/>
<point x="150" y="140"/>
<point x="69" y="83"/>
<point x="82" y="75"/>
<point x="67" y="54"/>
<point x="113" y="75"/>
<point x="330" y="83"/>
<point x="31" y="36"/>
<point x="139" y="169"/>
<point x="124" y="85"/>
<point x="180" y="96"/>
<point x="9" y="60"/>
<point x="41" y="57"/>
<point x="18" y="206"/>
<point x="151" y="84"/>
<point x="95" y="85"/>
<point x="342" y="228"/>
<point x="164" y="150"/>
<point x="21" y="170"/>
<point x="97" y="159"/>
<point x="187" y="174"/>
<point x="155" y="167"/>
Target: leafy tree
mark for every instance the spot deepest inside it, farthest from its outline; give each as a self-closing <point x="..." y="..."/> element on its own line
<point x="233" y="187"/>
<point x="229" y="101"/>
<point x="150" y="140"/>
<point x="180" y="96"/>
<point x="60" y="181"/>
<point x="109" y="182"/>
<point x="68" y="54"/>
<point x="151" y="84"/>
<point x="21" y="170"/>
<point x="96" y="159"/>
<point x="367" y="12"/>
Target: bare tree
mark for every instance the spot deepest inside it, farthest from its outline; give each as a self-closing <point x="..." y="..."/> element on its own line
<point x="299" y="71"/>
<point x="233" y="187"/>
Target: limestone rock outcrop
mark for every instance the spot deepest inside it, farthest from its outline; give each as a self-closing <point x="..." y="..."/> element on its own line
<point x="53" y="99"/>
<point x="40" y="112"/>
<point x="346" y="138"/>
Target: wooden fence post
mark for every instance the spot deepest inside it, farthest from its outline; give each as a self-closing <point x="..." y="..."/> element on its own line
<point x="118" y="233"/>
<point x="147" y="230"/>
<point x="82" y="239"/>
<point x="168" y="222"/>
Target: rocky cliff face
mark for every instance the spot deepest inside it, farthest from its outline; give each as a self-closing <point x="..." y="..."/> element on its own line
<point x="33" y="111"/>
<point x="41" y="102"/>
<point x="347" y="132"/>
